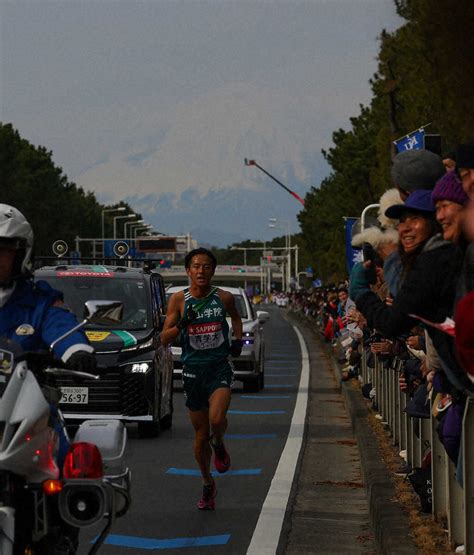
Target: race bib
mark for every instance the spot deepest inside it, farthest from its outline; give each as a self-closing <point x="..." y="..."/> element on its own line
<point x="205" y="336"/>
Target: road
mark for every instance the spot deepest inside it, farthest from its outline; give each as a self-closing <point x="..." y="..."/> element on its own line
<point x="165" y="488"/>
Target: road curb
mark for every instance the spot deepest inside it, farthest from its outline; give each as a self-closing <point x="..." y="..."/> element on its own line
<point x="389" y="520"/>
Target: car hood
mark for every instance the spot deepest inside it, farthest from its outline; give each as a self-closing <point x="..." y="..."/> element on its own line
<point x="116" y="340"/>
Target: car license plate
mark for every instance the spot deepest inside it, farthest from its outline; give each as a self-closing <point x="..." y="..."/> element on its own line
<point x="74" y="395"/>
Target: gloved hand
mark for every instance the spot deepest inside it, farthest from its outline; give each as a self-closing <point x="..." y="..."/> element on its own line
<point x="236" y="347"/>
<point x="361" y="279"/>
<point x="82" y="361"/>
<point x="186" y="318"/>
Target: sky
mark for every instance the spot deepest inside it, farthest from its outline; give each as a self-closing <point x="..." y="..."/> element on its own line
<point x="158" y="102"/>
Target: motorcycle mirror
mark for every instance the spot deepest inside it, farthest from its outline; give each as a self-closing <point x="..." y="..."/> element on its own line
<point x="103" y="313"/>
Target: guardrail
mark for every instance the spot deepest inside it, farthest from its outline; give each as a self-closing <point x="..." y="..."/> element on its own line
<point x="452" y="504"/>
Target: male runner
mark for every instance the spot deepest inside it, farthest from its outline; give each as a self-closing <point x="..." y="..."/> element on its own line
<point x="198" y="315"/>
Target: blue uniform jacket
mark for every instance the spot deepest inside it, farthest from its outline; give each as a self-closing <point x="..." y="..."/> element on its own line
<point x="30" y="319"/>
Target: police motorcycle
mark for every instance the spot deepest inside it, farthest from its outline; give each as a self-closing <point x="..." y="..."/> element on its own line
<point x="42" y="506"/>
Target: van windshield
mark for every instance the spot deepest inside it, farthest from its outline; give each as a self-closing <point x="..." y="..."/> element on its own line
<point x="132" y="292"/>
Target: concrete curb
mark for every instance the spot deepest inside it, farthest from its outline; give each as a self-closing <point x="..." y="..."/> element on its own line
<point x="389" y="521"/>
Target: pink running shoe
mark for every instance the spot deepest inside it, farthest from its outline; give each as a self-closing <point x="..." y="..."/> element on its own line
<point x="221" y="458"/>
<point x="208" y="498"/>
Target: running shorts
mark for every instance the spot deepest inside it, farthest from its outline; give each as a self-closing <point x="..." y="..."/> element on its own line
<point x="200" y="382"/>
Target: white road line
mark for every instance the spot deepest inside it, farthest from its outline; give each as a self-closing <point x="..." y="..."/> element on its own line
<point x="267" y="532"/>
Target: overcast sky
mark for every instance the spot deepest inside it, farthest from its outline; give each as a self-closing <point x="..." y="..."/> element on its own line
<point x="159" y="101"/>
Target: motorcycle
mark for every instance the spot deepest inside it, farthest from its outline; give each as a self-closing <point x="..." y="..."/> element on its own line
<point x="44" y="503"/>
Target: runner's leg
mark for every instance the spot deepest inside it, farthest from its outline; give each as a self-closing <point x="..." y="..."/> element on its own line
<point x="202" y="449"/>
<point x="219" y="403"/>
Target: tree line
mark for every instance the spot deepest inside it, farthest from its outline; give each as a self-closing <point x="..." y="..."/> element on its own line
<point x="55" y="207"/>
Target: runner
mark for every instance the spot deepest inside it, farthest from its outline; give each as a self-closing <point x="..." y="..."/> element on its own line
<point x="198" y="315"/>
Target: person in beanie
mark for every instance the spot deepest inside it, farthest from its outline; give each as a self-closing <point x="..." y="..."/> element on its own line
<point x="416" y="169"/>
<point x="449" y="199"/>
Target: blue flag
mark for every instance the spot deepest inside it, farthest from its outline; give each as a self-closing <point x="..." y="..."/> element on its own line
<point x="352" y="255"/>
<point x="412" y="141"/>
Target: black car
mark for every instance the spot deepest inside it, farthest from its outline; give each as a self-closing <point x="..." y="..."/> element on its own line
<point x="136" y="371"/>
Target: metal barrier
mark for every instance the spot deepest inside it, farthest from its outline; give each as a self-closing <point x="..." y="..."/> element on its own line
<point x="452" y="505"/>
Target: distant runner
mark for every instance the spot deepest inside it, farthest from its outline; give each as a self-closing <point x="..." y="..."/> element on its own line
<point x="198" y="315"/>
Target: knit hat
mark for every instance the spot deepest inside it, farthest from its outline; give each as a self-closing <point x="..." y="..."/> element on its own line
<point x="417" y="169"/>
<point x="389" y="198"/>
<point x="418" y="201"/>
<point x="376" y="237"/>
<point x="465" y="156"/>
<point x="449" y="187"/>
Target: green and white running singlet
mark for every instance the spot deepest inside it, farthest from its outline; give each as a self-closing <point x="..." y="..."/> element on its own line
<point x="206" y="338"/>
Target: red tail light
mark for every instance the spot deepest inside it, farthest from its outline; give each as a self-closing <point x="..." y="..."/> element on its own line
<point x="83" y="460"/>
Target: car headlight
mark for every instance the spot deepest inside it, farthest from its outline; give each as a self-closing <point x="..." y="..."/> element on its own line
<point x="140" y="346"/>
<point x="140" y="367"/>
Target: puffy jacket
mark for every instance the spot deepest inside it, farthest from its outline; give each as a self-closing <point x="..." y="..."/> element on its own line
<point x="30" y="318"/>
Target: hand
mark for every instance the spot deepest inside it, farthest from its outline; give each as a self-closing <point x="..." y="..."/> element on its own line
<point x="381" y="347"/>
<point x="82" y="361"/>
<point x="414" y="342"/>
<point x="236" y="347"/>
<point x="362" y="277"/>
<point x="186" y="318"/>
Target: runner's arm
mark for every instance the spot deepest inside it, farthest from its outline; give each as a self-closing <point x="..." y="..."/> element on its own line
<point x="229" y="304"/>
<point x="173" y="314"/>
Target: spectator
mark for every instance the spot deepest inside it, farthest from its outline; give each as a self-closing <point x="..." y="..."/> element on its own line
<point x="416" y="169"/>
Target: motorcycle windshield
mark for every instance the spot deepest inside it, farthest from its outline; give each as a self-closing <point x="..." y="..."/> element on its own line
<point x="132" y="292"/>
<point x="9" y="352"/>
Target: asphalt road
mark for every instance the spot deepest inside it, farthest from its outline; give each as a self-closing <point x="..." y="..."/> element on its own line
<point x="165" y="491"/>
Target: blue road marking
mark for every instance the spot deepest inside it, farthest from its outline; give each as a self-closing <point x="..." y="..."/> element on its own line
<point x="250" y="436"/>
<point x="192" y="472"/>
<point x="174" y="543"/>
<point x="265" y="396"/>
<point x="256" y="411"/>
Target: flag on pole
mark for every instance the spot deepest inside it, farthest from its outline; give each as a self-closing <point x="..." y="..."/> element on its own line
<point x="412" y="141"/>
<point x="352" y="255"/>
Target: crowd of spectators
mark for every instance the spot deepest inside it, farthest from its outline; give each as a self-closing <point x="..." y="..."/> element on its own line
<point x="413" y="295"/>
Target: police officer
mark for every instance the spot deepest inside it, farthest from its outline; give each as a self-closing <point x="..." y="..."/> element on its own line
<point x="32" y="314"/>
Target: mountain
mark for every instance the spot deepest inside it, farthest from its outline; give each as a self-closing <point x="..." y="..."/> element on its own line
<point x="189" y="173"/>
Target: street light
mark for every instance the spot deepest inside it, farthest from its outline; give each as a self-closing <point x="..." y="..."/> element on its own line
<point x="118" y="209"/>
<point x="274" y="223"/>
<point x="147" y="226"/>
<point x="121" y="218"/>
<point x="292" y="193"/>
<point x="130" y="224"/>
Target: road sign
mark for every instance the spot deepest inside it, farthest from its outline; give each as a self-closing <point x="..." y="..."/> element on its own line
<point x="267" y="253"/>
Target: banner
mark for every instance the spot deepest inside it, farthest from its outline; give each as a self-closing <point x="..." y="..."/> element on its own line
<point x="352" y="255"/>
<point x="412" y="141"/>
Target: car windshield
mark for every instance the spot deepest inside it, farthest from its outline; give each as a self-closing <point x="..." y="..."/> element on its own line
<point x="78" y="290"/>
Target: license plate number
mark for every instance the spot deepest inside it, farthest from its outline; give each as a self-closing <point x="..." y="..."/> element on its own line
<point x="74" y="395"/>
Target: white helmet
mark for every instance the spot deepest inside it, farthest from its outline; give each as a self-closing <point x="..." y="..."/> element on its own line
<point x="16" y="232"/>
